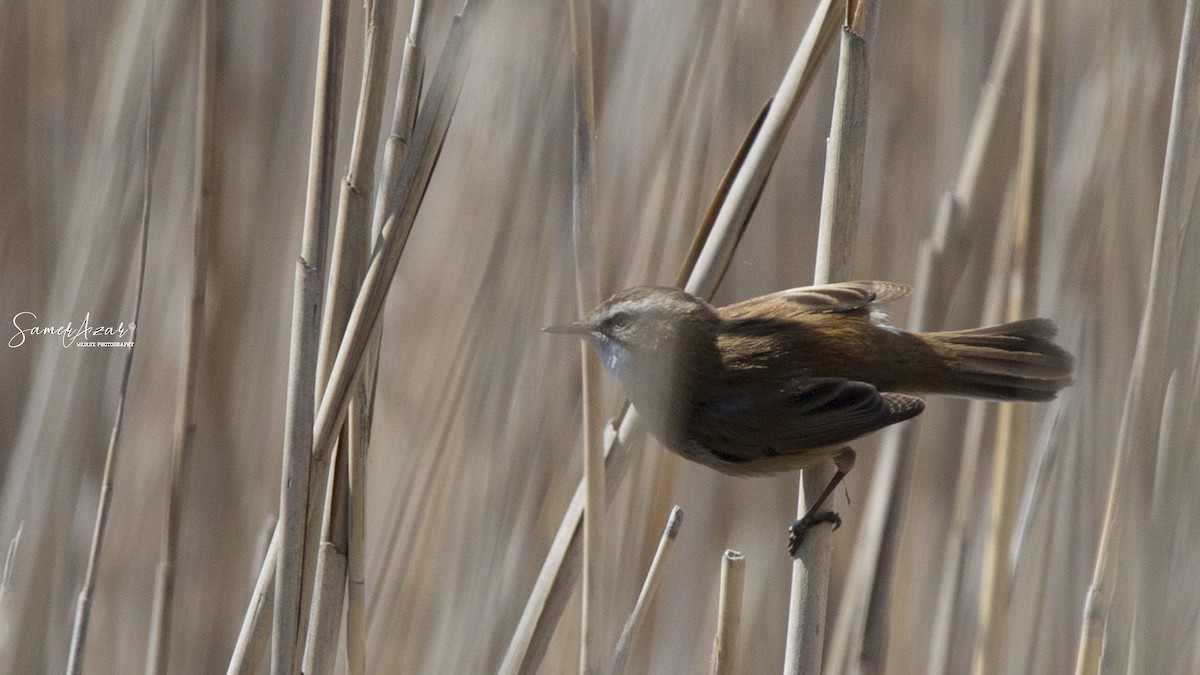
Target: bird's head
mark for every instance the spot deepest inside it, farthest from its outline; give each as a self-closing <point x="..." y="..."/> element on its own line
<point x="645" y="329"/>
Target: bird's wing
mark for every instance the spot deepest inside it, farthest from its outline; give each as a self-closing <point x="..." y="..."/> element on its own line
<point x="755" y="429"/>
<point x="841" y="297"/>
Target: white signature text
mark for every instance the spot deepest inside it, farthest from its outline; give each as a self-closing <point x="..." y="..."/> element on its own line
<point x="85" y="332"/>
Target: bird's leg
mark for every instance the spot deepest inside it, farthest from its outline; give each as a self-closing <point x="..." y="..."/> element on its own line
<point x="844" y="461"/>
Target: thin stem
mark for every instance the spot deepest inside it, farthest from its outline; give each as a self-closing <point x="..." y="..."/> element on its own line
<point x="293" y="576"/>
<point x="835" y="245"/>
<point x="621" y="654"/>
<point x="591" y="651"/>
<point x="979" y="418"/>
<point x="412" y="68"/>
<point x="1140" y="416"/>
<point x="403" y="203"/>
<point x="83" y="606"/>
<point x="185" y="424"/>
<point x="351" y="238"/>
<point x="729" y="613"/>
<point x="743" y="193"/>
<point x="1012" y="425"/>
<point x="965" y="221"/>
<point x="253" y="636"/>
<point x="404" y="117"/>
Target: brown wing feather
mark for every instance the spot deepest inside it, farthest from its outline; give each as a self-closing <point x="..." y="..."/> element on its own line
<point x="847" y="296"/>
<point x="760" y="429"/>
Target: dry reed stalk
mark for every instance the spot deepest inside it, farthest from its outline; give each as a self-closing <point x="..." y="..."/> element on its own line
<point x="408" y="90"/>
<point x="405" y="522"/>
<point x="961" y="224"/>
<point x="560" y="570"/>
<point x="356" y="463"/>
<point x="401" y="205"/>
<point x="1012" y="424"/>
<point x="253" y="637"/>
<point x="351" y="238"/>
<point x="729" y="613"/>
<point x="1167" y="621"/>
<point x="620" y="657"/>
<point x="404" y="116"/>
<point x="352" y="230"/>
<point x="83" y="606"/>
<point x="835" y="245"/>
<point x="747" y="185"/>
<point x="7" y="608"/>
<point x="1128" y="495"/>
<point x="1037" y="484"/>
<point x="980" y="416"/>
<point x="1030" y="574"/>
<point x="722" y="192"/>
<point x="751" y="166"/>
<point x="291" y="576"/>
<point x="158" y="649"/>
<point x="321" y="639"/>
<point x="13" y="544"/>
<point x="1055" y="467"/>
<point x="583" y="179"/>
<point x="403" y="199"/>
<point x="1168" y="422"/>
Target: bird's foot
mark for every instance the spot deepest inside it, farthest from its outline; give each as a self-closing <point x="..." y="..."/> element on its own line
<point x="799" y="528"/>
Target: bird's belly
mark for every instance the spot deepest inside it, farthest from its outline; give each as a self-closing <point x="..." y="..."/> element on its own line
<point x="752" y="461"/>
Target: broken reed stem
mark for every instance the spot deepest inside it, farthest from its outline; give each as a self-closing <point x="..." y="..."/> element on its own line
<point x="835" y="245"/>
<point x="185" y="423"/>
<point x="83" y="606"/>
<point x="1140" y="416"/>
<point x="351" y="238"/>
<point x="292" y="578"/>
<point x="561" y="565"/>
<point x="1012" y="424"/>
<point x="729" y="613"/>
<point x="591" y="648"/>
<point x="620" y="656"/>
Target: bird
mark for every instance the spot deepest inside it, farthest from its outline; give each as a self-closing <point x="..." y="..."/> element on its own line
<point x="783" y="381"/>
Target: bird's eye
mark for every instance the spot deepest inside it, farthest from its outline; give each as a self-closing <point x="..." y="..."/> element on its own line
<point x="619" y="320"/>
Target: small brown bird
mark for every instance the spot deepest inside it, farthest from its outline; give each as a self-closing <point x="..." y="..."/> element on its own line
<point x="779" y="382"/>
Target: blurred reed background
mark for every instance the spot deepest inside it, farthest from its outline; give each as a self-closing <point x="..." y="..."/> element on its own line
<point x="474" y="449"/>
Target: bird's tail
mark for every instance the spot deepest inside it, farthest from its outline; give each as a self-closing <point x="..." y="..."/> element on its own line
<point x="1015" y="361"/>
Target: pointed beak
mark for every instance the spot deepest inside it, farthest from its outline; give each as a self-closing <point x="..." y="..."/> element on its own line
<point x="569" y="329"/>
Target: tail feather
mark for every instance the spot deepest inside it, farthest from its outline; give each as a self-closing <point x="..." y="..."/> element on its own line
<point x="1030" y="328"/>
<point x="1013" y="362"/>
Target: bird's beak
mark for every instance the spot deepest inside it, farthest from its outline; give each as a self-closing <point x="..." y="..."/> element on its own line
<point x="569" y="329"/>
